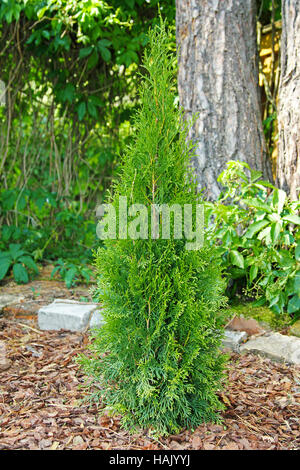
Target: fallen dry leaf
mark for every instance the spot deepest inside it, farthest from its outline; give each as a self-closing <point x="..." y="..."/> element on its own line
<point x="249" y="325"/>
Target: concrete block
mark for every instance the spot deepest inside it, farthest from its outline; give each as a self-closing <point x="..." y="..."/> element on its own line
<point x="67" y="314"/>
<point x="233" y="339"/>
<point x="96" y="319"/>
<point x="275" y="346"/>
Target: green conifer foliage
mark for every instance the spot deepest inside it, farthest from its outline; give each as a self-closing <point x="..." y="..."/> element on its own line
<point x="156" y="361"/>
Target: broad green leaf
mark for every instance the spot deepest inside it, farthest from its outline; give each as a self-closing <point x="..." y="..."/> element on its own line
<point x="15" y="250"/>
<point x="5" y="255"/>
<point x="297" y="283"/>
<point x="54" y="271"/>
<point x="7" y="231"/>
<point x="258" y="205"/>
<point x="286" y="259"/>
<point x="297" y="252"/>
<point x="130" y="3"/>
<point x="71" y="273"/>
<point x="105" y="53"/>
<point x="46" y="34"/>
<point x="253" y="272"/>
<point x="92" y="110"/>
<point x="255" y="175"/>
<point x="259" y="302"/>
<point x="265" y="234"/>
<point x="265" y="184"/>
<point x="275" y="308"/>
<point x="93" y="60"/>
<point x="104" y="42"/>
<point x="274" y="300"/>
<point x="96" y="100"/>
<point x="237" y="259"/>
<point x="41" y="12"/>
<point x="8" y="199"/>
<point x="20" y="273"/>
<point x="4" y="267"/>
<point x="279" y="197"/>
<point x="81" y="110"/>
<point x="256" y="227"/>
<point x="287" y="239"/>
<point x="21" y="203"/>
<point x="227" y="239"/>
<point x="237" y="273"/>
<point x="68" y="93"/>
<point x="39" y="202"/>
<point x="294" y="304"/>
<point x="28" y="261"/>
<point x="274" y="217"/>
<point x="85" y="52"/>
<point x="275" y="231"/>
<point x="86" y="274"/>
<point x="292" y="218"/>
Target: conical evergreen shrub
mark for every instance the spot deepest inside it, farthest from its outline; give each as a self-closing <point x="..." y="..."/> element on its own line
<point x="156" y="361"/>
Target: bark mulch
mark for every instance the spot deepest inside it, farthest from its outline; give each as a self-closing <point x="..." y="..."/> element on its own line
<point x="40" y="401"/>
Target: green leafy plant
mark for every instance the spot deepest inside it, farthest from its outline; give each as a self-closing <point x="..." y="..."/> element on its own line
<point x="157" y="360"/>
<point x="71" y="272"/>
<point x="19" y="261"/>
<point x="256" y="227"/>
<point x="35" y="293"/>
<point x="46" y="225"/>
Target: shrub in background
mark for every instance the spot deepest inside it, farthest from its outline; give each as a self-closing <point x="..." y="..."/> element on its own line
<point x="44" y="227"/>
<point x="256" y="228"/>
<point x="156" y="361"/>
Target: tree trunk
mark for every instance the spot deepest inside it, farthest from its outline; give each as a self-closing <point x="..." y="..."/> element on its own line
<point x="218" y="79"/>
<point x="288" y="162"/>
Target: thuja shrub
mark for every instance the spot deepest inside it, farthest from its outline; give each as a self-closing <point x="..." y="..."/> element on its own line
<point x="157" y="361"/>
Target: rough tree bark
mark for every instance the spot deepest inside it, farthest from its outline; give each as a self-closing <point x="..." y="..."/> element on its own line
<point x="218" y="79"/>
<point x="288" y="161"/>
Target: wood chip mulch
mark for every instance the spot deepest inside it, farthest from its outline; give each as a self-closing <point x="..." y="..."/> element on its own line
<point x="40" y="401"/>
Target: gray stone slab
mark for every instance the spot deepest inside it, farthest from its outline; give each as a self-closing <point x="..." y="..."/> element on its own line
<point x="233" y="339"/>
<point x="8" y="299"/>
<point x="96" y="319"/>
<point x="275" y="346"/>
<point x="66" y="314"/>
